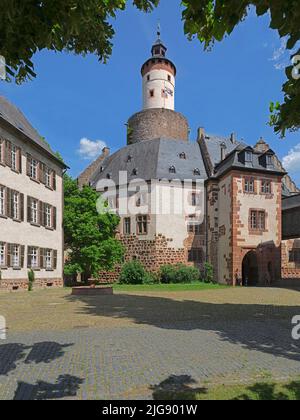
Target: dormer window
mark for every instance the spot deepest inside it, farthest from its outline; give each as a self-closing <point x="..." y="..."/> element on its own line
<point x="129" y="158"/>
<point x="172" y="170"/>
<point x="270" y="161"/>
<point x="108" y="176"/>
<point x="135" y="172"/>
<point x="182" y="156"/>
<point x="248" y="157"/>
<point x="197" y="172"/>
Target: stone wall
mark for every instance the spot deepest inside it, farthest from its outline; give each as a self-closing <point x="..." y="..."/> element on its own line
<point x="157" y="123"/>
<point x="152" y="254"/>
<point x="290" y="270"/>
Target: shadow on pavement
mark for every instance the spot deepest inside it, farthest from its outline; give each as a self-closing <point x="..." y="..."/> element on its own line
<point x="243" y="324"/>
<point x="66" y="386"/>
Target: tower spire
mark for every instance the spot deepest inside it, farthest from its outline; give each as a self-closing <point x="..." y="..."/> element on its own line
<point x="158" y="30"/>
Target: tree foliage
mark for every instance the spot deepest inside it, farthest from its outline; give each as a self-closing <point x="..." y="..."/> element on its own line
<point x="29" y="26"/>
<point x="89" y="236"/>
<point x="82" y="27"/>
<point x="212" y="20"/>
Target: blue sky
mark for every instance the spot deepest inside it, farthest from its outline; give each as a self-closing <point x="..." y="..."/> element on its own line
<point x="226" y="90"/>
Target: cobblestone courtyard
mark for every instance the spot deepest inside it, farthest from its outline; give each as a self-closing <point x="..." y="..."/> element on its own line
<point x="130" y="345"/>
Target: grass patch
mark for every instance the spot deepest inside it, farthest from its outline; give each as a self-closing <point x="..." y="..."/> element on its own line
<point x="268" y="390"/>
<point x="167" y="287"/>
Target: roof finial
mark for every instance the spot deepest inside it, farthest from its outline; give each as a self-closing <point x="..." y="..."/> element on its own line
<point x="158" y="30"/>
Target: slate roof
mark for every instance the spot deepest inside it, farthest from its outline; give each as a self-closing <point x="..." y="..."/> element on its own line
<point x="16" y="118"/>
<point x="291" y="202"/>
<point x="153" y="159"/>
<point x="213" y="145"/>
<point x="234" y="161"/>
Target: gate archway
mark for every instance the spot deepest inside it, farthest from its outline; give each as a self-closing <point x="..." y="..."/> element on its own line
<point x="250" y="270"/>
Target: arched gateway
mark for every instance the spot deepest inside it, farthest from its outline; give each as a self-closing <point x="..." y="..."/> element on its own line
<point x="250" y="270"/>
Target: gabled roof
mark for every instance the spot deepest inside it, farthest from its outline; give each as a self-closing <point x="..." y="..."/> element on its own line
<point x="153" y="159"/>
<point x="16" y="119"/>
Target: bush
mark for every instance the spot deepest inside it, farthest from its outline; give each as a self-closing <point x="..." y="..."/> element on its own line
<point x="31" y="280"/>
<point x="208" y="273"/>
<point x="133" y="273"/>
<point x="179" y="274"/>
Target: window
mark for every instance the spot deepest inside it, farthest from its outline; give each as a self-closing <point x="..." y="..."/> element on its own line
<point x="48" y="216"/>
<point x="148" y="77"/>
<point x="269" y="160"/>
<point x="258" y="220"/>
<point x="197" y="172"/>
<point x="33" y="168"/>
<point x="48" y="177"/>
<point x="15" y="205"/>
<point x="16" y="256"/>
<point x="249" y="185"/>
<point x="2" y="201"/>
<point x="14" y="155"/>
<point x="248" y="157"/>
<point x="33" y="257"/>
<point x="127" y="226"/>
<point x="48" y="259"/>
<point x="294" y="256"/>
<point x="142" y="225"/>
<point x="34" y="211"/>
<point x="182" y="156"/>
<point x="195" y="199"/>
<point x="152" y="93"/>
<point x="2" y="254"/>
<point x="172" y="170"/>
<point x="196" y="255"/>
<point x="169" y="78"/>
<point x="266" y="187"/>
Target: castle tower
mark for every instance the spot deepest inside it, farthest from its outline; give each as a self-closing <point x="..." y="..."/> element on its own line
<point x="158" y="119"/>
<point x="158" y="79"/>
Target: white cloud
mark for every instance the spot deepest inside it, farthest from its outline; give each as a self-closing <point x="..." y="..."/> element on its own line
<point x="90" y="149"/>
<point x="291" y="162"/>
<point x="281" y="56"/>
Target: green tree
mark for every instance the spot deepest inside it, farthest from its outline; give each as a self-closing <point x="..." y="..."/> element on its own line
<point x="212" y="20"/>
<point x="89" y="236"/>
<point x="29" y="26"/>
<point x="82" y="27"/>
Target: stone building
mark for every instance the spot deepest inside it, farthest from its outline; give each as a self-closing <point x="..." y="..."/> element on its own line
<point x="31" y="205"/>
<point x="231" y="193"/>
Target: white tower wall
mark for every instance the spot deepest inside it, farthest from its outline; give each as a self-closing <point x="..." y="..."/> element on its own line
<point x="159" y="89"/>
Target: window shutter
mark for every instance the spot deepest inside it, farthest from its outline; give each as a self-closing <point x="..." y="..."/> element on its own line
<point x="22" y="255"/>
<point x="22" y="207"/>
<point x="42" y="253"/>
<point x="54" y="218"/>
<point x="9" y="254"/>
<point x="54" y="180"/>
<point x="29" y="218"/>
<point x="54" y="260"/>
<point x="8" y="202"/>
<point x="42" y="173"/>
<point x="28" y="164"/>
<point x="8" y="153"/>
<point x="40" y="210"/>
<point x="19" y="157"/>
<point x="29" y="251"/>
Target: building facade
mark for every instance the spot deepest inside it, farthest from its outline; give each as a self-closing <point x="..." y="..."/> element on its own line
<point x="31" y="205"/>
<point x="231" y="193"/>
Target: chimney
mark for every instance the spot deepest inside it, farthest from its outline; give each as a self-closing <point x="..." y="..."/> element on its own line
<point x="201" y="134"/>
<point x="106" y="151"/>
<point x="223" y="151"/>
<point x="233" y="138"/>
